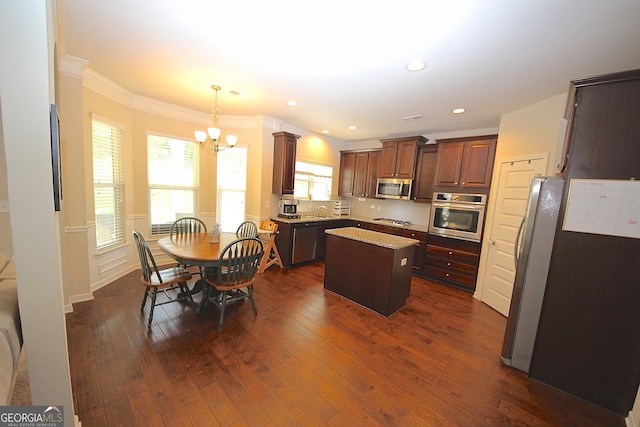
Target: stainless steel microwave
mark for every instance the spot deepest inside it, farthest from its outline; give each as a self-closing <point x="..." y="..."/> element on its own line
<point x="394" y="188"/>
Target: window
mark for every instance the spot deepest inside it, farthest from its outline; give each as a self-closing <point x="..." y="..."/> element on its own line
<point x="173" y="181"/>
<point x="108" y="183"/>
<point x="232" y="186"/>
<point x="313" y="182"/>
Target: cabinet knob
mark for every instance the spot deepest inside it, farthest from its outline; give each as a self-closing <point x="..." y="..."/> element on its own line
<point x="455" y="183"/>
<point x="450" y="253"/>
<point x="448" y="264"/>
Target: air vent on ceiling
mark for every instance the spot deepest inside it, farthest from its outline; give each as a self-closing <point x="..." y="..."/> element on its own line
<point x="413" y="118"/>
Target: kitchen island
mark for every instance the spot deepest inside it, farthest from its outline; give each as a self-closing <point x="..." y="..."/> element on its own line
<point x="370" y="268"/>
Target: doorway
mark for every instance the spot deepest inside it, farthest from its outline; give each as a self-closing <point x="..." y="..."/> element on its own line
<point x="509" y="208"/>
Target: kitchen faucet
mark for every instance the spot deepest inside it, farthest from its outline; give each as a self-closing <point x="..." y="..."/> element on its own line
<point x="320" y="211"/>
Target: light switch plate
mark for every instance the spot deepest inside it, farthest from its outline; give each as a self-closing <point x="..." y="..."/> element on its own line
<point x="4" y="206"/>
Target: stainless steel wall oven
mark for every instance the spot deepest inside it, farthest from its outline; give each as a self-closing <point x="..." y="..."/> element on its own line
<point x="457" y="215"/>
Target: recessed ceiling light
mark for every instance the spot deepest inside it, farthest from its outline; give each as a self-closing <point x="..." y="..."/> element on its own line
<point x="325" y="131"/>
<point x="352" y="127"/>
<point x="458" y="110"/>
<point x="292" y="103"/>
<point x="416" y="65"/>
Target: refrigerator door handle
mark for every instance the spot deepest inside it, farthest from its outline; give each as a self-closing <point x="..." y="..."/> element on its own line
<point x="517" y="247"/>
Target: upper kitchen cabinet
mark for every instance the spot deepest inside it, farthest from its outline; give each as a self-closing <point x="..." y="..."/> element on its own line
<point x="398" y="157"/>
<point x="358" y="173"/>
<point x="425" y="173"/>
<point x="465" y="163"/>
<point x="284" y="162"/>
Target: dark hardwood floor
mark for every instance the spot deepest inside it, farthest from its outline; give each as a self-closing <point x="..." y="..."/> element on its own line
<point x="308" y="358"/>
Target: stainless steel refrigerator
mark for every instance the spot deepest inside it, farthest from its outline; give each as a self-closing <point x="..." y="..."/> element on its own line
<point x="532" y="256"/>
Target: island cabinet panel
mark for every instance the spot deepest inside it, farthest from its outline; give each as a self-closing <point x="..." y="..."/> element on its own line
<point x="376" y="277"/>
<point x="452" y="261"/>
<point x="465" y="164"/>
<point x="284" y="162"/>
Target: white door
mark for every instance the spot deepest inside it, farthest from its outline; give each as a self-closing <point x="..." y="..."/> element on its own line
<point x="510" y="207"/>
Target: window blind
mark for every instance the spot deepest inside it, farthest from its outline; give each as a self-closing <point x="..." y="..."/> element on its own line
<point x="173" y="181"/>
<point x="108" y="183"/>
<point x="232" y="186"/>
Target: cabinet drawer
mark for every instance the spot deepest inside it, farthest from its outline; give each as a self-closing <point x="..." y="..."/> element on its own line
<point x="418" y="235"/>
<point x="452" y="266"/>
<point x="451" y="277"/>
<point x="453" y="254"/>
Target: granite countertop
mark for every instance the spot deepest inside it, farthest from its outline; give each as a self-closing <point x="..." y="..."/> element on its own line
<point x="373" y="237"/>
<point x="310" y="218"/>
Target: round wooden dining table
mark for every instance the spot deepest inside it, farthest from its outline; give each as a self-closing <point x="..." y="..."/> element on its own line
<point x="195" y="249"/>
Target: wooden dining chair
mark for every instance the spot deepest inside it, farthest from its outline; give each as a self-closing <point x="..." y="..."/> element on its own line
<point x="155" y="280"/>
<point x="188" y="225"/>
<point x="247" y="229"/>
<point x="236" y="275"/>
<point x="271" y="255"/>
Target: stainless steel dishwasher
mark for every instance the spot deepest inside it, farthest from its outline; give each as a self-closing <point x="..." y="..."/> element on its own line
<point x="305" y="242"/>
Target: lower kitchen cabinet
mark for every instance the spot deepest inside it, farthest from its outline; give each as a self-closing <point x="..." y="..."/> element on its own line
<point x="290" y="249"/>
<point x="284" y="242"/>
<point x="322" y="236"/>
<point x="418" y="259"/>
<point x="452" y="261"/>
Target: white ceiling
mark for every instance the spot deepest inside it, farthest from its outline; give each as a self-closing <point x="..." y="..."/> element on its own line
<point x="344" y="60"/>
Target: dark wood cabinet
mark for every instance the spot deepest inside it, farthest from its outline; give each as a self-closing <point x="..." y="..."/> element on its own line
<point x="418" y="259"/>
<point x="323" y="226"/>
<point x="398" y="157"/>
<point x="284" y="242"/>
<point x="425" y="173"/>
<point x="452" y="261"/>
<point x="284" y="238"/>
<point x="284" y="162"/>
<point x="358" y="174"/>
<point x="588" y="336"/>
<point x="387" y="229"/>
<point x="465" y="163"/>
<point x="347" y="174"/>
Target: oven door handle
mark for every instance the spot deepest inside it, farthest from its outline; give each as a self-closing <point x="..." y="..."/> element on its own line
<point x="475" y="208"/>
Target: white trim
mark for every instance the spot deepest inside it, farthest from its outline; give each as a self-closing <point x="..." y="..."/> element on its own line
<point x="106" y="121"/>
<point x="78" y="229"/>
<point x="73" y="67"/>
<point x="107" y="88"/>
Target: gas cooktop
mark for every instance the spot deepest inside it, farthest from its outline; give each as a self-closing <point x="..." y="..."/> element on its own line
<point x="393" y="221"/>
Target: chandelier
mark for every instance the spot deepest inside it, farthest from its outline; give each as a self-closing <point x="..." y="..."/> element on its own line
<point x="213" y="134"/>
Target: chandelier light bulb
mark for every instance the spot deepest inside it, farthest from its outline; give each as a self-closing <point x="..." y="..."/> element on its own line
<point x="213" y="133"/>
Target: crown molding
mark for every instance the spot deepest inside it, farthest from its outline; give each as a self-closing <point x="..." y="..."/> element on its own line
<point x="79" y="68"/>
<point x="73" y="67"/>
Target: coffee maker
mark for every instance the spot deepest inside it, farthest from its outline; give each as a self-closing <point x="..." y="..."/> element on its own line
<point x="289" y="209"/>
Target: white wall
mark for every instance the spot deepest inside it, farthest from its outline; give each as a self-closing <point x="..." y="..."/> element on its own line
<point x="26" y="91"/>
<point x="534" y="129"/>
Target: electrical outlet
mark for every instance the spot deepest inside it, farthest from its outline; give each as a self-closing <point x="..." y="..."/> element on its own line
<point x="4" y="206"/>
<point x="403" y="262"/>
